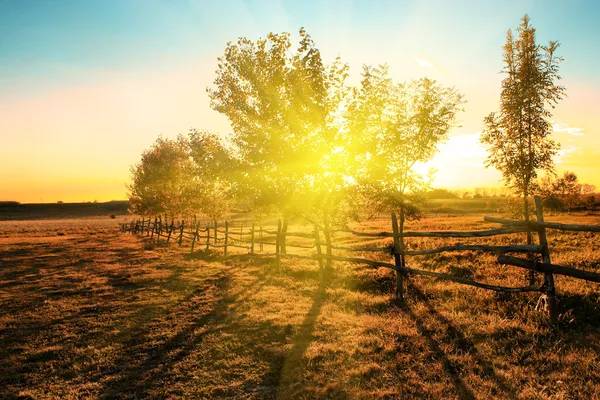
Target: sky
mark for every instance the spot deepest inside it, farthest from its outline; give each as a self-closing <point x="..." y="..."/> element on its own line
<point x="86" y="86"/>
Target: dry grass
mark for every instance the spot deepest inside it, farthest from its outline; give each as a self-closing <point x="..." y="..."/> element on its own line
<point x="87" y="311"/>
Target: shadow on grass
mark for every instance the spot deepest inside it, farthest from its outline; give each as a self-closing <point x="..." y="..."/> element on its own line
<point x="291" y="366"/>
<point x="453" y="336"/>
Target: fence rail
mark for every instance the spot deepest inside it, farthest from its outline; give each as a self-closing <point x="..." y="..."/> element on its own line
<point x="248" y="240"/>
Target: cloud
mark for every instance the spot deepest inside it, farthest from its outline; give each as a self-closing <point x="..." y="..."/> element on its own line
<point x="565" y="153"/>
<point x="422" y="62"/>
<point x="561" y="127"/>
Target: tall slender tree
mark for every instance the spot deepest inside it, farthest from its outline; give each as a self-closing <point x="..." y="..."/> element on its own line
<point x="519" y="134"/>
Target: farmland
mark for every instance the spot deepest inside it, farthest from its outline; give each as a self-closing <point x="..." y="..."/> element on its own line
<point x="87" y="311"/>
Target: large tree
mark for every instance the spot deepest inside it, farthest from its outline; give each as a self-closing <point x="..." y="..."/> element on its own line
<point x="519" y="134"/>
<point x="282" y="105"/>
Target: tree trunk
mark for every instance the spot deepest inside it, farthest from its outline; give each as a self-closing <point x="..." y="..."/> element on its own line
<point x="529" y="236"/>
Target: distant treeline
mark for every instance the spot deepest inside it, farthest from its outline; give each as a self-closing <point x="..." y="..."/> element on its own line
<point x="14" y="210"/>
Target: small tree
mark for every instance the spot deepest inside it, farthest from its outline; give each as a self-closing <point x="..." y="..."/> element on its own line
<point x="213" y="174"/>
<point x="392" y="127"/>
<point x="519" y="135"/>
<point x="564" y="192"/>
<point x="162" y="180"/>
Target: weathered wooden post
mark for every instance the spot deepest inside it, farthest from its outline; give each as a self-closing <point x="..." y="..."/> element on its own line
<point x="226" y="239"/>
<point x="252" y="240"/>
<point x="207" y="237"/>
<point x="318" y="247"/>
<point x="548" y="277"/>
<point x="278" y="244"/>
<point x="170" y="230"/>
<point x="181" y="232"/>
<point x="216" y="233"/>
<point x="397" y="259"/>
<point x="159" y="229"/>
<point x="260" y="234"/>
<point x="327" y="239"/>
<point x="153" y="228"/>
<point x="195" y="236"/>
<point x="142" y="227"/>
<point x="284" y="229"/>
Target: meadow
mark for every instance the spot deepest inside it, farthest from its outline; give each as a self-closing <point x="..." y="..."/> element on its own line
<point x="88" y="311"/>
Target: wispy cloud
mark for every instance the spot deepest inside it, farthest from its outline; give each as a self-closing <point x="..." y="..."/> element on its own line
<point x="565" y="153"/>
<point x="569" y="130"/>
<point x="422" y="62"/>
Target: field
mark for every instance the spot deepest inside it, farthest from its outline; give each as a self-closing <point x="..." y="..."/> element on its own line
<point x="87" y="311"/>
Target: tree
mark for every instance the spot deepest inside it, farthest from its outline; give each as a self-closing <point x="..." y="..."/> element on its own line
<point x="519" y="135"/>
<point x="282" y="105"/>
<point x="213" y="173"/>
<point x="564" y="192"/>
<point x="392" y="127"/>
<point x="162" y="180"/>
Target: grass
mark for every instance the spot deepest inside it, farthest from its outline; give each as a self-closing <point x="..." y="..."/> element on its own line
<point x="97" y="313"/>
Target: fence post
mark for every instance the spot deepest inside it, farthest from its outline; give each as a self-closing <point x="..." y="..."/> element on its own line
<point x="318" y="247"/>
<point x="226" y="238"/>
<point x="278" y="244"/>
<point x="207" y="237"/>
<point x="142" y="227"/>
<point x="195" y="236"/>
<point x="181" y="232"/>
<point x="327" y="239"/>
<point x="216" y="233"/>
<point x="284" y="229"/>
<point x="170" y="230"/>
<point x="159" y="229"/>
<point x="260" y="234"/>
<point x="252" y="240"/>
<point x="397" y="259"/>
<point x="548" y="277"/>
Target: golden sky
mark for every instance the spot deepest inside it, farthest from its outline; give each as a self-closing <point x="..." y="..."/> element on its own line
<point x="85" y="88"/>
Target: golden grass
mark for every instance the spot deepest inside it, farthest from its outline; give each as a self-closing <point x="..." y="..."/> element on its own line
<point x="91" y="313"/>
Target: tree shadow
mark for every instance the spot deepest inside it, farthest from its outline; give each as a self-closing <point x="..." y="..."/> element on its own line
<point x="291" y="363"/>
<point x="455" y="337"/>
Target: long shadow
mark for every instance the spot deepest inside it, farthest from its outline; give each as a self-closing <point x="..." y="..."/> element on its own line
<point x="136" y="379"/>
<point x="288" y="370"/>
<point x="455" y="336"/>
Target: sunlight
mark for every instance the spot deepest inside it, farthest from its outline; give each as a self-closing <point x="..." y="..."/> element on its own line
<point x="460" y="164"/>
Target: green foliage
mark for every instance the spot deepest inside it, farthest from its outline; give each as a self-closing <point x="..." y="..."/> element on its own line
<point x="162" y="180"/>
<point x="183" y="176"/>
<point x="283" y="106"/>
<point x="392" y="127"/>
<point x="213" y="173"/>
<point x="518" y="136"/>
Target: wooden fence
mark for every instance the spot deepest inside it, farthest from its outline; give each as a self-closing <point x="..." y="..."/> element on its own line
<point x="320" y="239"/>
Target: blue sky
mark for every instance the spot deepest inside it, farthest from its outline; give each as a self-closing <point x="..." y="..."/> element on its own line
<point x="109" y="76"/>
